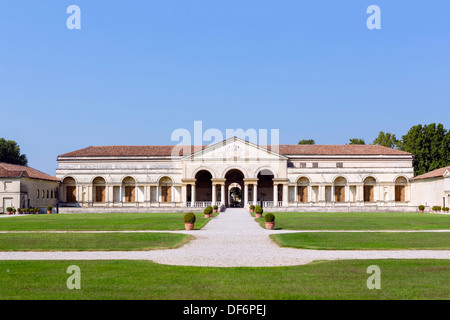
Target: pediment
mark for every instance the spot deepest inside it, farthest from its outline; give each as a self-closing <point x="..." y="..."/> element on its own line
<point x="235" y="149"/>
<point x="446" y="174"/>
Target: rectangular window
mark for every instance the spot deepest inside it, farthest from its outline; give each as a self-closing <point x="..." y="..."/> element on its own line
<point x="302" y="164"/>
<point x="339" y="165"/>
<point x="315" y="165"/>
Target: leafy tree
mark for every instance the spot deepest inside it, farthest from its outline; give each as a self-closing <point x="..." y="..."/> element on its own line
<point x="357" y="141"/>
<point x="430" y="146"/>
<point x="387" y="140"/>
<point x="10" y="153"/>
<point x="307" y="142"/>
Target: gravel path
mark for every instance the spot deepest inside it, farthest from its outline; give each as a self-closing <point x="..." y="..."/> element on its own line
<point x="232" y="239"/>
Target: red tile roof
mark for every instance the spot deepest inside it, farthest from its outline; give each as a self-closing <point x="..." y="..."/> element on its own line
<point x="432" y="174"/>
<point x="102" y="151"/>
<point x="8" y="170"/>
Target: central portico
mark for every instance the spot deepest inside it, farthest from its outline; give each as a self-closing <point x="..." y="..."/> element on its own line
<point x="258" y="172"/>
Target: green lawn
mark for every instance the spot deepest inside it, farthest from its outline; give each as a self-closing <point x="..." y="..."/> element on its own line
<point x="359" y="221"/>
<point x="400" y="279"/>
<point x="90" y="241"/>
<point x="364" y="240"/>
<point x="99" y="221"/>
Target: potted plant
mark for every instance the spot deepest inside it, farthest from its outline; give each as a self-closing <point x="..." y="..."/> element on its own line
<point x="19" y="211"/>
<point x="258" y="211"/>
<point x="445" y="209"/>
<point x="436" y="208"/>
<point x="8" y="210"/>
<point x="49" y="209"/>
<point x="421" y="208"/>
<point x="189" y="221"/>
<point x="270" y="221"/>
<point x="31" y="211"/>
<point x="13" y="211"/>
<point x="208" y="210"/>
<point x="23" y="211"/>
<point x="252" y="208"/>
<point x="215" y="208"/>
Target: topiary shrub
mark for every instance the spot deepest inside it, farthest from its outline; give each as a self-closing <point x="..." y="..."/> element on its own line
<point x="436" y="208"/>
<point x="208" y="210"/>
<point x="252" y="207"/>
<point x="269" y="217"/>
<point x="421" y="207"/>
<point x="8" y="209"/>
<point x="189" y="217"/>
<point x="215" y="207"/>
<point x="49" y="208"/>
<point x="258" y="209"/>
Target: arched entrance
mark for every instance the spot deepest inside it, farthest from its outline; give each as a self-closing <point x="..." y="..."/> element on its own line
<point x="266" y="187"/>
<point x="235" y="185"/>
<point x="203" y="186"/>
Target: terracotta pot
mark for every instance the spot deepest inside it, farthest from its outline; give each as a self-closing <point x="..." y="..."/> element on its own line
<point x="49" y="211"/>
<point x="270" y="225"/>
<point x="258" y="215"/>
<point x="8" y="212"/>
<point x="189" y="225"/>
<point x="215" y="210"/>
<point x="207" y="215"/>
<point x="421" y="210"/>
<point x="252" y="210"/>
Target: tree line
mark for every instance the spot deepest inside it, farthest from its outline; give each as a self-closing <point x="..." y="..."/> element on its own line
<point x="430" y="145"/>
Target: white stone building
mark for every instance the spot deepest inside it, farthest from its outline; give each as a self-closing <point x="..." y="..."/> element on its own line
<point x="236" y="173"/>
<point x="432" y="189"/>
<point x="25" y="187"/>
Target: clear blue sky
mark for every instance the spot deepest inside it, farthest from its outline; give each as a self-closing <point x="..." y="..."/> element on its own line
<point x="137" y="70"/>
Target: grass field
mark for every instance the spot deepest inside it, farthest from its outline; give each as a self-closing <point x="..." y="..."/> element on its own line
<point x="99" y="221"/>
<point x="90" y="241"/>
<point x="400" y="279"/>
<point x="359" y="221"/>
<point x="364" y="240"/>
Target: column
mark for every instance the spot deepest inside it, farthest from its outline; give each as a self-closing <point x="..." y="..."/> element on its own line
<point x="322" y="195"/>
<point x="285" y="195"/>
<point x="245" y="198"/>
<point x="309" y="193"/>
<point x="193" y="194"/>
<point x="275" y="195"/>
<point x="255" y="193"/>
<point x="213" y="195"/>
<point x="332" y="193"/>
<point x="296" y="193"/>
<point x="157" y="194"/>
<point x="347" y="193"/>
<point x="184" y="195"/>
<point x="222" y="193"/>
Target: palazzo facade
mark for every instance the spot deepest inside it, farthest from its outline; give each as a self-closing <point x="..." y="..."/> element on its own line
<point x="235" y="172"/>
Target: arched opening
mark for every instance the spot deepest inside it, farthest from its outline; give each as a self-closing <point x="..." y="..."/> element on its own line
<point x="400" y="189"/>
<point x="203" y="186"/>
<point x="369" y="189"/>
<point x="265" y="186"/>
<point x="235" y="195"/>
<point x="302" y="189"/>
<point x="339" y="189"/>
<point x="235" y="185"/>
<point x="99" y="188"/>
<point x="69" y="187"/>
<point x="129" y="189"/>
<point x="166" y="187"/>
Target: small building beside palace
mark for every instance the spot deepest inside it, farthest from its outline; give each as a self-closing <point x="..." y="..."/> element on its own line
<point x="235" y="172"/>
<point x="25" y="187"/>
<point x="432" y="188"/>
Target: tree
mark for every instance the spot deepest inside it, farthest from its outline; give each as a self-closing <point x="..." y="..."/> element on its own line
<point x="387" y="140"/>
<point x="10" y="153"/>
<point x="307" y="142"/>
<point x="357" y="141"/>
<point x="430" y="146"/>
